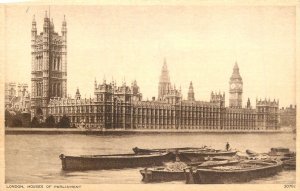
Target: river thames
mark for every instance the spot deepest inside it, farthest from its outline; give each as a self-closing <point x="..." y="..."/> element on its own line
<point x="34" y="159"/>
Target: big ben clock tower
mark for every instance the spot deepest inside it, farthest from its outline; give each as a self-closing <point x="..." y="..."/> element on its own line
<point x="235" y="88"/>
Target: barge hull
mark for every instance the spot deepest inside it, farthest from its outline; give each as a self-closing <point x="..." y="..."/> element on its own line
<point x="229" y="177"/>
<point x="160" y="176"/>
<point x="83" y="163"/>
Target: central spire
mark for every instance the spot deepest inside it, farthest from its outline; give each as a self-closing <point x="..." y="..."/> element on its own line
<point x="164" y="81"/>
<point x="164" y="77"/>
<point x="191" y="95"/>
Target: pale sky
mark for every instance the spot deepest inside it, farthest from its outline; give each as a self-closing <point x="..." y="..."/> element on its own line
<point x="200" y="43"/>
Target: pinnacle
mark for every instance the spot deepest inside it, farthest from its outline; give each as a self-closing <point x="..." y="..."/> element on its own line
<point x="236" y="73"/>
<point x="64" y="21"/>
<point x="191" y="85"/>
<point x="236" y="66"/>
<point x="165" y="65"/>
<point x="164" y="77"/>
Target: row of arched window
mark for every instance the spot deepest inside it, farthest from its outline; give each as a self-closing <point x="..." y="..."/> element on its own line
<point x="55" y="90"/>
<point x="39" y="88"/>
<point x="39" y="63"/>
<point x="56" y="63"/>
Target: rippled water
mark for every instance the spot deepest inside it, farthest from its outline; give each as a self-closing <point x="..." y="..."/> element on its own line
<point x="34" y="158"/>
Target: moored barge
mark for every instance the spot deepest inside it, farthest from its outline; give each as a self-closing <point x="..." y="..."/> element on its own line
<point x="241" y="172"/>
<point x="177" y="171"/>
<point x="137" y="150"/>
<point x="118" y="161"/>
<point x="202" y="155"/>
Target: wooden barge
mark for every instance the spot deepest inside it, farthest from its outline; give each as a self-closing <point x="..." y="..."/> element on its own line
<point x="168" y="174"/>
<point x="289" y="164"/>
<point x="285" y="155"/>
<point x="202" y="155"/>
<point x="137" y="150"/>
<point x="161" y="175"/>
<point x="96" y="162"/>
<point x="242" y="172"/>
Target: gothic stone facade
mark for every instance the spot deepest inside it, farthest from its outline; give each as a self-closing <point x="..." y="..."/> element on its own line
<point x="288" y="116"/>
<point x="49" y="65"/>
<point x="122" y="107"/>
<point x="17" y="97"/>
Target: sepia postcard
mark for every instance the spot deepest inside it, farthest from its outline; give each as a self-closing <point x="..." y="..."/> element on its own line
<point x="149" y="95"/>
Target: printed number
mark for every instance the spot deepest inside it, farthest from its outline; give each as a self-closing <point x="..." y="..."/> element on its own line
<point x="289" y="186"/>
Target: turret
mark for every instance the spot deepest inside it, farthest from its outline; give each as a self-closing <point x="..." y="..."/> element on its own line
<point x="104" y="80"/>
<point x="95" y="84"/>
<point x="52" y="26"/>
<point x="164" y="85"/>
<point x="64" y="28"/>
<point x="248" y="104"/>
<point x="46" y="23"/>
<point x="33" y="30"/>
<point x="191" y="95"/>
<point x="77" y="95"/>
<point x="135" y="91"/>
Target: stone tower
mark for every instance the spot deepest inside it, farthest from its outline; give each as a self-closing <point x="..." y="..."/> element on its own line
<point x="164" y="85"/>
<point x="248" y="104"/>
<point x="235" y="88"/>
<point x="77" y="94"/>
<point x="48" y="65"/>
<point x="191" y="95"/>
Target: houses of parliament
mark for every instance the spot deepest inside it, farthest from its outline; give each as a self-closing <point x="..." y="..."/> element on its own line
<point x="122" y="107"/>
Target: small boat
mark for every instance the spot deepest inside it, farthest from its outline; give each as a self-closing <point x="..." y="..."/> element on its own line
<point x="198" y="155"/>
<point x="118" y="161"/>
<point x="137" y="150"/>
<point x="282" y="154"/>
<point x="279" y="151"/>
<point x="236" y="173"/>
<point x="251" y="153"/>
<point x="170" y="172"/>
<point x="177" y="173"/>
<point x="289" y="164"/>
<point x="161" y="175"/>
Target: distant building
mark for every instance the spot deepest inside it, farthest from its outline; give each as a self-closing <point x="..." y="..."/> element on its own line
<point x="17" y="97"/>
<point x="122" y="107"/>
<point x="288" y="116"/>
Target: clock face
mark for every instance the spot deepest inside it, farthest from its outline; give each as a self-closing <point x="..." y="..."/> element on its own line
<point x="235" y="86"/>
